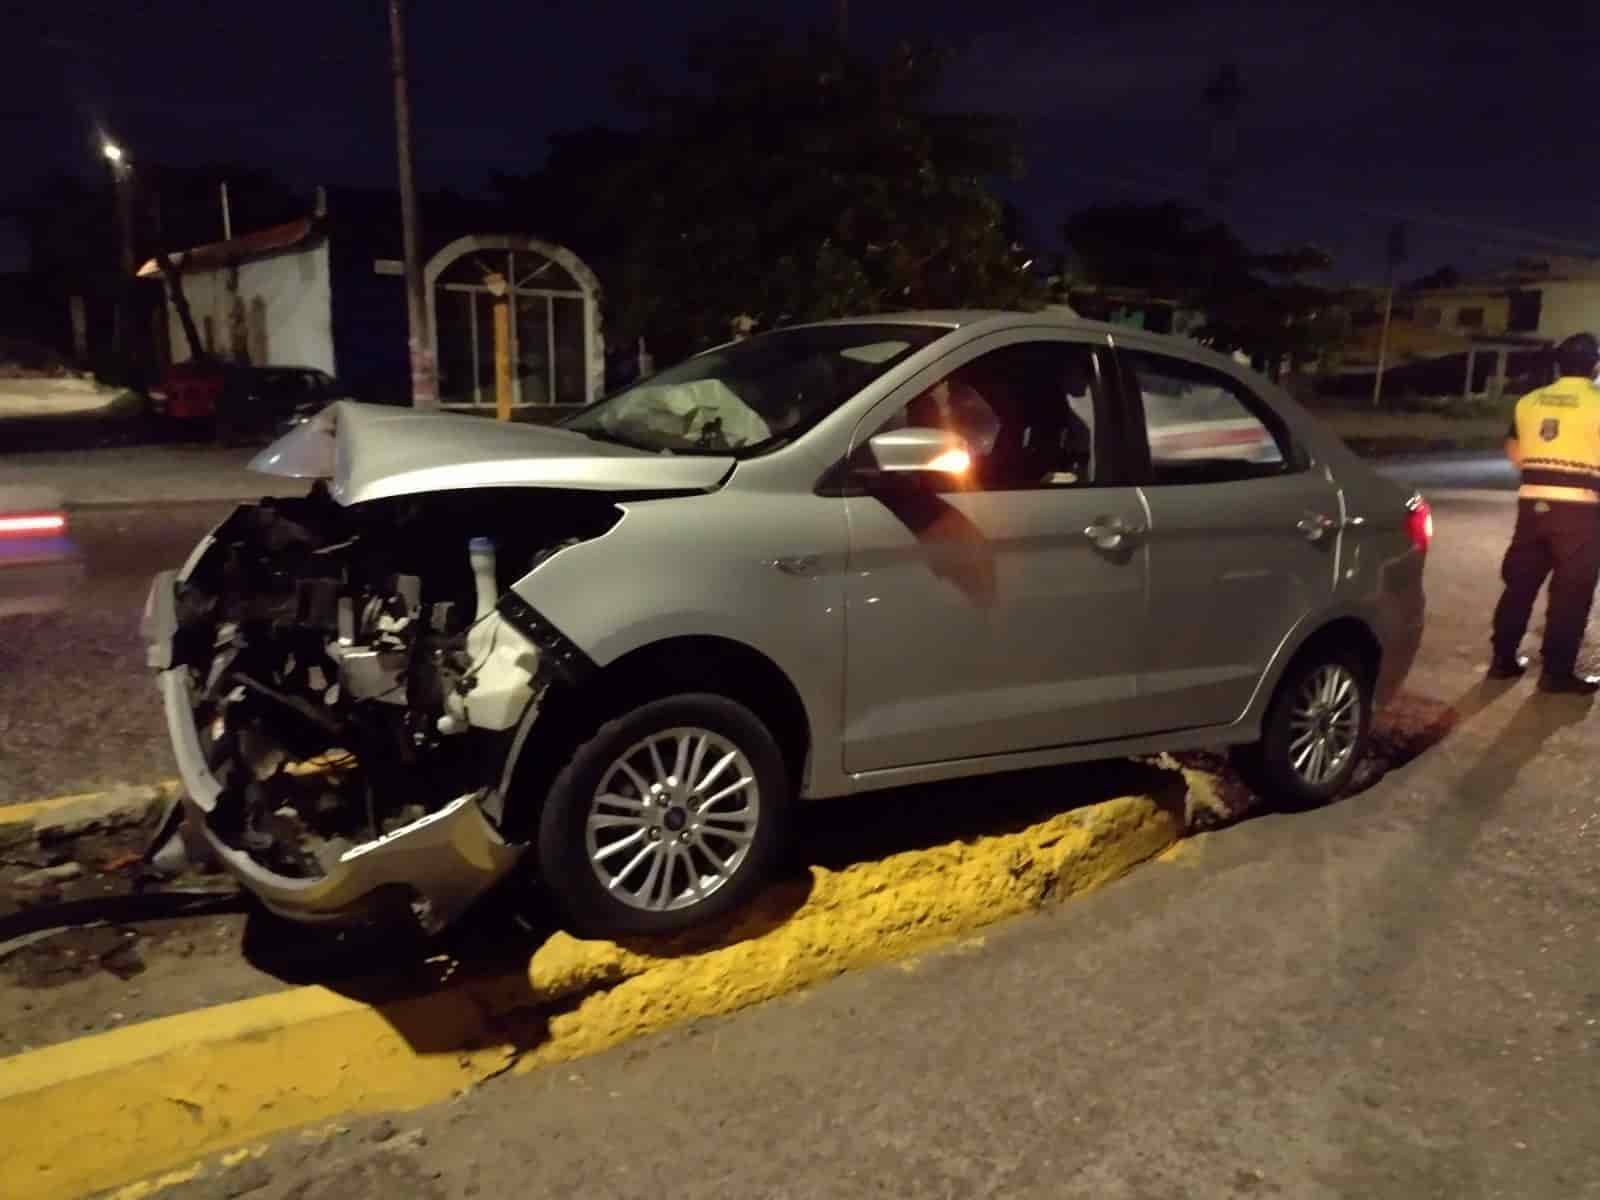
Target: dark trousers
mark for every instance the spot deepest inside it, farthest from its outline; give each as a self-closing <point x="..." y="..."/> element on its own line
<point x="1561" y="542"/>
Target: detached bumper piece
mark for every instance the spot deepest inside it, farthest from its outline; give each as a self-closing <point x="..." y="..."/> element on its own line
<point x="437" y="865"/>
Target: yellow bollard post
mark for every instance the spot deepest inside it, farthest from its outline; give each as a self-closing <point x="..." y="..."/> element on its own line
<point x="502" y="346"/>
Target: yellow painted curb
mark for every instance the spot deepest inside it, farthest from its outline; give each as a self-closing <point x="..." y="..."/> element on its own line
<point x="163" y="1094"/>
<point x="852" y="918"/>
<point x="96" y="1112"/>
<point x="31" y="810"/>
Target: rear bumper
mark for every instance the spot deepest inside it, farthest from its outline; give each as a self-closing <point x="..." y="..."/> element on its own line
<point x="1401" y="644"/>
<point x="1398" y="613"/>
<point x="440" y="863"/>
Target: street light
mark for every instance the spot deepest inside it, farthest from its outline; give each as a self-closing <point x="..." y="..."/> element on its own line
<point x="113" y="153"/>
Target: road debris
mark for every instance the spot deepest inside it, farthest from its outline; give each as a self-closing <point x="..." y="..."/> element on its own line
<point x="48" y="877"/>
<point x="123" y="807"/>
<point x="22" y="941"/>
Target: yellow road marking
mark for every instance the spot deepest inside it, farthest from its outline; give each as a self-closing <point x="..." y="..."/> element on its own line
<point x="31" y="810"/>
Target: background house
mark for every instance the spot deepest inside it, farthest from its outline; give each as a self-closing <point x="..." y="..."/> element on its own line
<point x="1485" y="337"/>
<point x="328" y="291"/>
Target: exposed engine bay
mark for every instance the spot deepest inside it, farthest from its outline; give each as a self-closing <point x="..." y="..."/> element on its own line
<point x="353" y="670"/>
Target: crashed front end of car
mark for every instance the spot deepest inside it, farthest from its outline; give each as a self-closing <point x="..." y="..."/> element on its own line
<point x="347" y="677"/>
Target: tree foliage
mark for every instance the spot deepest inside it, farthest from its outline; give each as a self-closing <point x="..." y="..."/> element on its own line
<point x="1444" y="277"/>
<point x="1253" y="302"/>
<point x="792" y="182"/>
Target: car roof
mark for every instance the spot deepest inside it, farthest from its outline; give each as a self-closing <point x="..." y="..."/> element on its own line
<point x="1057" y="317"/>
<point x="949" y="318"/>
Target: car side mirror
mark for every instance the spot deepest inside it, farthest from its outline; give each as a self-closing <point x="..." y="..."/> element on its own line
<point x="910" y="452"/>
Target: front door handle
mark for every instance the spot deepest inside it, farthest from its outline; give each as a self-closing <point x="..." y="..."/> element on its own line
<point x="798" y="564"/>
<point x="1316" y="526"/>
<point x="1110" y="533"/>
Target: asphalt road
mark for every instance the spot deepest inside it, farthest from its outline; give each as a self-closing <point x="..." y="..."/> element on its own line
<point x="1396" y="996"/>
<point x="78" y="710"/>
<point x="1436" y="472"/>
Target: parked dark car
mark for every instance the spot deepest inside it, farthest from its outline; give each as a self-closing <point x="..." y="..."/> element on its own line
<point x="238" y="404"/>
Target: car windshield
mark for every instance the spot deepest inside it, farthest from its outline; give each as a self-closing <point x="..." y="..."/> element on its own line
<point x="755" y="394"/>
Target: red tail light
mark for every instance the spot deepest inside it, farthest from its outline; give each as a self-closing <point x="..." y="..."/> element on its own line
<point x="1419" y="523"/>
<point x="33" y="524"/>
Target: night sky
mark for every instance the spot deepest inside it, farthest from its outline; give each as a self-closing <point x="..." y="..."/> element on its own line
<point x="1476" y="129"/>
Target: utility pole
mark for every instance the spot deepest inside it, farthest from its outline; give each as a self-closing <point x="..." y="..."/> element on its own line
<point x="424" y="381"/>
<point x="1222" y="97"/>
<point x="841" y="19"/>
<point x="122" y="179"/>
<point x="227" y="216"/>
<point x="1396" y="252"/>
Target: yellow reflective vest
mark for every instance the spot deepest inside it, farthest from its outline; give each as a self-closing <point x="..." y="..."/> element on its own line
<point x="1557" y="429"/>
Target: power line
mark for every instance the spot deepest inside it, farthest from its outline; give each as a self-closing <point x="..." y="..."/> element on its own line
<point x="1493" y="231"/>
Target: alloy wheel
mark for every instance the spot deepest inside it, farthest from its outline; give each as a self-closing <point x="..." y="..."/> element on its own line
<point x="1325" y="724"/>
<point x="673" y="819"/>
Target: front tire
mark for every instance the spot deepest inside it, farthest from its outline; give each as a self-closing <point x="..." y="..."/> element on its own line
<point x="1316" y="731"/>
<point x="670" y="816"/>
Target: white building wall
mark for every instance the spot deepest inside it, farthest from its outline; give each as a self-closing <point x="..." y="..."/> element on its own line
<point x="281" y="314"/>
<point x="1569" y="306"/>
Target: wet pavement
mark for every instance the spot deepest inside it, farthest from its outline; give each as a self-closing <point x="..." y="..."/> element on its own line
<point x="78" y="709"/>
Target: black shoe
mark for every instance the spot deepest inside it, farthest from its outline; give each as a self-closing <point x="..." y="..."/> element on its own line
<point x="1570" y="684"/>
<point x="1514" y="667"/>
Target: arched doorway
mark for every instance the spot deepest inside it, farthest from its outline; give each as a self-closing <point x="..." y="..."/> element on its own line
<point x="556" y="358"/>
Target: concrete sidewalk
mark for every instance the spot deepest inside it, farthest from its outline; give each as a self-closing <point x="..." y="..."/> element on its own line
<point x="142" y="475"/>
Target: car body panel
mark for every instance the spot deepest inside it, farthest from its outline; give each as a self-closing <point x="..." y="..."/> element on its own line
<point x="763" y="570"/>
<point x="375" y="452"/>
<point x="1230" y="575"/>
<point x="985" y="622"/>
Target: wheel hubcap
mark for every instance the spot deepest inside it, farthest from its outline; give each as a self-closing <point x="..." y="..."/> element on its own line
<point x="1325" y="725"/>
<point x="673" y="819"/>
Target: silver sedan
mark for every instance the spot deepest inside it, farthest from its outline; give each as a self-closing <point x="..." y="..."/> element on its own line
<point x="822" y="561"/>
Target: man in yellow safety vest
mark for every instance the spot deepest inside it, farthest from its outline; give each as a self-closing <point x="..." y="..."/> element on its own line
<point x="1555" y="441"/>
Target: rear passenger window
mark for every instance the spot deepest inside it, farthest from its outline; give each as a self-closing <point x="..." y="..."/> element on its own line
<point x="1203" y="426"/>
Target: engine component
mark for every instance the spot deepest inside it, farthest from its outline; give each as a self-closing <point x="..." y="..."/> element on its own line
<point x="497" y="685"/>
<point x="308" y="630"/>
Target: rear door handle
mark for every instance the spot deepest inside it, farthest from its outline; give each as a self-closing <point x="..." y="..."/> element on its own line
<point x="1316" y="526"/>
<point x="1110" y="533"/>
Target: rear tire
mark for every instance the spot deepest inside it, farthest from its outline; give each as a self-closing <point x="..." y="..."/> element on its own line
<point x="1316" y="732"/>
<point x="649" y="830"/>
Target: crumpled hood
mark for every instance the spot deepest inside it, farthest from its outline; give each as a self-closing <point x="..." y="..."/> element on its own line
<point x="371" y="452"/>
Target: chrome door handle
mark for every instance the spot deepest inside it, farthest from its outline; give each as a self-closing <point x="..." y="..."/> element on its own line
<point x="1315" y="526"/>
<point x="1108" y="533"/>
<point x="798" y="564"/>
